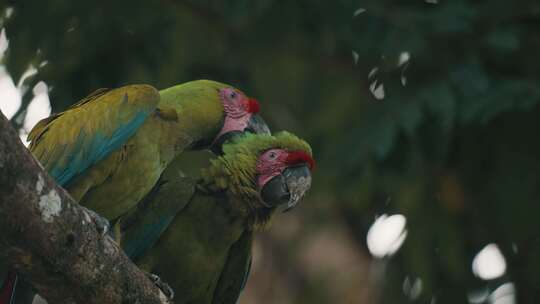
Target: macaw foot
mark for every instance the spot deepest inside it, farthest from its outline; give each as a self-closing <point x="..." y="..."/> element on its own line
<point x="165" y="288"/>
<point x="102" y="224"/>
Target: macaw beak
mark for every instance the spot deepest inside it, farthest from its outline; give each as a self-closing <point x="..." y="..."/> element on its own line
<point x="288" y="188"/>
<point x="217" y="145"/>
<point x="257" y="125"/>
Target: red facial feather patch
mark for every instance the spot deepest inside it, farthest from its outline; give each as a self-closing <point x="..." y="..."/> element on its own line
<point x="253" y="106"/>
<point x="298" y="157"/>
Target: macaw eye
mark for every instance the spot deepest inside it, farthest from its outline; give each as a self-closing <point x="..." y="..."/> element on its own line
<point x="232" y="95"/>
<point x="272" y="155"/>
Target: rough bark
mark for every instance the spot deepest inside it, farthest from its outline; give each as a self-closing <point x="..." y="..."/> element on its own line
<point x="53" y="243"/>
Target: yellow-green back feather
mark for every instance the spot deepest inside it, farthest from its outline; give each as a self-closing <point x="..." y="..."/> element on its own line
<point x="68" y="143"/>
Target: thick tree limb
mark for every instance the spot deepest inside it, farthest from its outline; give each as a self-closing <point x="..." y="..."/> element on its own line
<point x="53" y="243"/>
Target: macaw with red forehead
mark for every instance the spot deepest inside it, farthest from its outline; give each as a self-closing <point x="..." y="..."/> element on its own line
<point x="196" y="235"/>
<point x="109" y="149"/>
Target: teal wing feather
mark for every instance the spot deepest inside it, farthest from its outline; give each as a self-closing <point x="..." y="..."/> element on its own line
<point x="142" y="227"/>
<point x="236" y="271"/>
<point x="70" y="142"/>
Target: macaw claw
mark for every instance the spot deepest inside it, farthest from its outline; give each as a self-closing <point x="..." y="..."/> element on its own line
<point x="164" y="287"/>
<point x="102" y="224"/>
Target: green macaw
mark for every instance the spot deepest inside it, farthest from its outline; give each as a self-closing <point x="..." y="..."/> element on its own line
<point x="196" y="235"/>
<point x="109" y="149"/>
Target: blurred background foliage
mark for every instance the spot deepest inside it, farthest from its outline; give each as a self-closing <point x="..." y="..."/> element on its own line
<point x="421" y="108"/>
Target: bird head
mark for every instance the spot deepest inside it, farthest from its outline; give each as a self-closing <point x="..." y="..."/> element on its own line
<point x="283" y="176"/>
<point x="241" y="115"/>
<point x="262" y="172"/>
<point x="213" y="112"/>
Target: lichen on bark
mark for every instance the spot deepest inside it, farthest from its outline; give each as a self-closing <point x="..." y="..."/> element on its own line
<point x="46" y="237"/>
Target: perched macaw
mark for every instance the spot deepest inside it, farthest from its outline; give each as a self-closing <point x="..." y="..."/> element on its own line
<point x="196" y="235"/>
<point x="109" y="149"/>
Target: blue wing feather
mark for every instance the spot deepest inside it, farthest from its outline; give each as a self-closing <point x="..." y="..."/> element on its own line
<point x="70" y="142"/>
<point x="99" y="147"/>
<point x="135" y="247"/>
<point x="142" y="228"/>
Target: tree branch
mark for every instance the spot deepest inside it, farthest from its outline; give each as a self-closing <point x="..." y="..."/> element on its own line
<point x="53" y="243"/>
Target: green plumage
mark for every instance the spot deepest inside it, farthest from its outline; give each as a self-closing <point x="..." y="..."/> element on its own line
<point x="109" y="149"/>
<point x="205" y="251"/>
<point x="234" y="171"/>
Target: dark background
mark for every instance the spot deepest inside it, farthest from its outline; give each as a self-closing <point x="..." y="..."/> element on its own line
<point x="452" y="145"/>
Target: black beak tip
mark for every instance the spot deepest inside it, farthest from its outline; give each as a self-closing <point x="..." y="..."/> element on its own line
<point x="217" y="145"/>
<point x="275" y="192"/>
<point x="257" y="125"/>
<point x="287" y="188"/>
